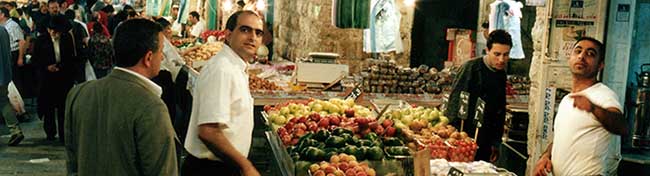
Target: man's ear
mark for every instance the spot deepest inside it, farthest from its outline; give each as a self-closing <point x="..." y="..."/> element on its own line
<point x="147" y="59"/>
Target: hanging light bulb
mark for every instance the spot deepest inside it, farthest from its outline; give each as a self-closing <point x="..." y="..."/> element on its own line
<point x="227" y="5"/>
<point x="260" y="5"/>
<point x="409" y="3"/>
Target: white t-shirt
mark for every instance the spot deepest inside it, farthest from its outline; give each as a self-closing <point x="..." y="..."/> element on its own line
<point x="197" y="29"/>
<point x="581" y="145"/>
<point x="222" y="96"/>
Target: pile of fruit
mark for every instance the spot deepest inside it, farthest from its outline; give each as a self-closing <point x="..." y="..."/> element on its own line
<point x="203" y="52"/>
<point x="182" y="42"/>
<point x="219" y="34"/>
<point x="280" y="114"/>
<point x="323" y="144"/>
<point x="382" y="76"/>
<point x="428" y="128"/>
<point x="341" y="165"/>
<point x="416" y="118"/>
<point x="256" y="83"/>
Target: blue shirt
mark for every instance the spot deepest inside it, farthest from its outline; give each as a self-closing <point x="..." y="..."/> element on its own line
<point x="5" y="57"/>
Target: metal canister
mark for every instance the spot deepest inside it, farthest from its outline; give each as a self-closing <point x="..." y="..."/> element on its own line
<point x="641" y="137"/>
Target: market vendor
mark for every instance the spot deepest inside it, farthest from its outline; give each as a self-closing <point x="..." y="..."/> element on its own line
<point x="221" y="125"/>
<point x="484" y="77"/>
<point x="198" y="26"/>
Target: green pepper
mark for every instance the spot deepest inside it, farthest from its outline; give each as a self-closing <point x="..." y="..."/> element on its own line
<point x="361" y="153"/>
<point x="374" y="153"/>
<point x="295" y="157"/>
<point x="351" y="150"/>
<point x="371" y="136"/>
<point x="398" y="150"/>
<point x="315" y="154"/>
<point x="378" y="143"/>
<point x="393" y="141"/>
<point x="335" y="141"/>
<point x="341" y="131"/>
<point x="365" y="142"/>
<point x="321" y="135"/>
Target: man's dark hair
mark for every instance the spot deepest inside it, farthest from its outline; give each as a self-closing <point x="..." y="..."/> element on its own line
<point x="163" y="22"/>
<point x="20" y="11"/>
<point x="108" y="9"/>
<point x="70" y="14"/>
<point x="53" y="1"/>
<point x="195" y="15"/>
<point x="4" y="12"/>
<point x="12" y="4"/>
<point x="133" y="39"/>
<point x="127" y="7"/>
<point x="600" y="48"/>
<point x="499" y="36"/>
<point x="132" y="14"/>
<point x="98" y="29"/>
<point x="231" y="24"/>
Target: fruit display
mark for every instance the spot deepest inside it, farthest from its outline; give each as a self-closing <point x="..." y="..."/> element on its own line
<point x="320" y="145"/>
<point x="428" y="128"/>
<point x="203" y="52"/>
<point x="382" y="76"/>
<point x="441" y="167"/>
<point x="256" y="83"/>
<point x="183" y="42"/>
<point x="416" y="118"/>
<point x="219" y="34"/>
<point x="280" y="114"/>
<point x="341" y="165"/>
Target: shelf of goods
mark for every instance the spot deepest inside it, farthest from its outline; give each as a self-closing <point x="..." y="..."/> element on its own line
<point x="336" y="136"/>
<point x="382" y="76"/>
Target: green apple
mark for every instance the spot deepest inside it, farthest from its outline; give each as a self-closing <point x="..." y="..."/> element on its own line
<point x="284" y="110"/>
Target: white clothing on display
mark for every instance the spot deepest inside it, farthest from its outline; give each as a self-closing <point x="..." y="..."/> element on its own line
<point x="383" y="34"/>
<point x="581" y="145"/>
<point x="506" y="15"/>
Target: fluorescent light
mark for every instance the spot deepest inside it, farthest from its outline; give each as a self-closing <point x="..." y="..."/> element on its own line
<point x="227" y="5"/>
<point x="409" y="3"/>
<point x="260" y="5"/>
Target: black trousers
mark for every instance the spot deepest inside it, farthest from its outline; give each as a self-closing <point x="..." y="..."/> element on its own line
<point x="199" y="167"/>
<point x="24" y="77"/>
<point x="51" y="103"/>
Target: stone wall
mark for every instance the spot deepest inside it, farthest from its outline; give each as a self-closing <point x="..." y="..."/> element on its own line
<point x="306" y="26"/>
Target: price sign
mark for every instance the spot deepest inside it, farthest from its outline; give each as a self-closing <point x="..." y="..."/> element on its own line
<point x="445" y="101"/>
<point x="455" y="172"/>
<point x="356" y="93"/>
<point x="478" y="116"/>
<point x="463" y="108"/>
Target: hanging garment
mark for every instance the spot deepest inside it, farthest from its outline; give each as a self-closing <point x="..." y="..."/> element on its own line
<point x="384" y="34"/>
<point x="506" y="15"/>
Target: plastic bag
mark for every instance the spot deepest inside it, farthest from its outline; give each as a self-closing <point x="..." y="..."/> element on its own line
<point x="90" y="73"/>
<point x="15" y="99"/>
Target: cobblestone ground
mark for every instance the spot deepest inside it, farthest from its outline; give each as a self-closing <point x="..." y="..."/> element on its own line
<point x="34" y="155"/>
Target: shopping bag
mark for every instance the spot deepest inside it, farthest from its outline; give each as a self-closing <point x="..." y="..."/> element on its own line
<point x="90" y="73"/>
<point x="15" y="99"/>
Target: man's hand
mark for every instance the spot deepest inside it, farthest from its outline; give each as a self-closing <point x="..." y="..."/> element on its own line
<point x="543" y="166"/>
<point x="583" y="103"/>
<point x="251" y="171"/>
<point x="495" y="154"/>
<point x="20" y="62"/>
<point x="52" y="68"/>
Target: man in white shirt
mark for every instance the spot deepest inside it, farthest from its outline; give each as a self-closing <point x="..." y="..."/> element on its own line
<point x="589" y="121"/>
<point x="198" y="26"/>
<point x="221" y="126"/>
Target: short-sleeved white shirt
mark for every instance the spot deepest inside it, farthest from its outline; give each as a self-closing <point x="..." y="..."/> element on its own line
<point x="581" y="145"/>
<point x="198" y="29"/>
<point x="222" y="96"/>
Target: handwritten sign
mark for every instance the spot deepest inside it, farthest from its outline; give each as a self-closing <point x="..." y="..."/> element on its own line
<point x="356" y="93"/>
<point x="478" y="116"/>
<point x="464" y="105"/>
<point x="455" y="172"/>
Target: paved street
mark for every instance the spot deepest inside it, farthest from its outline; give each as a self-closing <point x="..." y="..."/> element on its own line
<point x="15" y="160"/>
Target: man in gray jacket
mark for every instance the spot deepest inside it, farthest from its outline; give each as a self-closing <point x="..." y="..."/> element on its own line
<point x="118" y="125"/>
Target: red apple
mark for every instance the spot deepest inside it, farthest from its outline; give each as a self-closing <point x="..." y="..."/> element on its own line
<point x="335" y="120"/>
<point x="365" y="131"/>
<point x="289" y="125"/>
<point x="312" y="127"/>
<point x="302" y="119"/>
<point x="373" y="125"/>
<point x="294" y="141"/>
<point x="324" y="122"/>
<point x="300" y="126"/>
<point x="294" y="120"/>
<point x="387" y="123"/>
<point x="300" y="133"/>
<point x="390" y="131"/>
<point x="282" y="131"/>
<point x="349" y="112"/>
<point x="267" y="108"/>
<point x="286" y="139"/>
<point x="315" y="117"/>
<point x="379" y="130"/>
